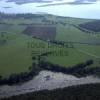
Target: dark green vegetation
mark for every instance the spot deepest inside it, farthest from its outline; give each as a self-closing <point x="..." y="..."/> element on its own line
<point x="82" y="92"/>
<point x="93" y="26"/>
<point x="25" y="38"/>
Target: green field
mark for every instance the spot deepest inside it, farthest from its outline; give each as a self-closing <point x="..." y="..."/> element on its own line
<point x="16" y="56"/>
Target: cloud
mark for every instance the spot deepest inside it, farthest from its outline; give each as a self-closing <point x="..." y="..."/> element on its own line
<point x="31" y="1"/>
<point x="51" y="1"/>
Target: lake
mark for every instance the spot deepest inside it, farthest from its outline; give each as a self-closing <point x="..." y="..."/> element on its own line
<point x="80" y="11"/>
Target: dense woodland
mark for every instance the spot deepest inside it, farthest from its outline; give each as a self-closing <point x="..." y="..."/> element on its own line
<point x="93" y="26"/>
<point x="82" y="92"/>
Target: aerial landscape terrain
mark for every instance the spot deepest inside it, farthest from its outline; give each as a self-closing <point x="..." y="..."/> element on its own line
<point x="30" y="43"/>
<point x="47" y="39"/>
<point x="45" y="56"/>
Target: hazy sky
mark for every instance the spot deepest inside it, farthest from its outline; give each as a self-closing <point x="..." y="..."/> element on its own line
<point x="81" y="11"/>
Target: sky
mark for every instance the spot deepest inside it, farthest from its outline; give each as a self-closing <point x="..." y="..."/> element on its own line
<point x="79" y="11"/>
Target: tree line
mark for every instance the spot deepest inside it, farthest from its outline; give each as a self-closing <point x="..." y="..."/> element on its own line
<point x="21" y="77"/>
<point x="25" y="16"/>
<point x="93" y="26"/>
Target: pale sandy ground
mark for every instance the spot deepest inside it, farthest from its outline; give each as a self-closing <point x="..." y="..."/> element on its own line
<point x="41" y="82"/>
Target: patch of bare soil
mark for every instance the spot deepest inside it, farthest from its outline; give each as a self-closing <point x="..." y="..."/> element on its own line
<point x="41" y="32"/>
